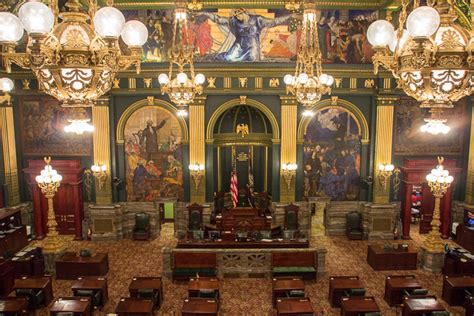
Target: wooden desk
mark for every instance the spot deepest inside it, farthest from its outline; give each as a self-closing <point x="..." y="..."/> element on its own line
<point x="380" y="259"/>
<point x="243" y="218"/>
<point x="453" y="289"/>
<point x="80" y="306"/>
<point x="353" y="306"/>
<point x="209" y="244"/>
<point x="194" y="306"/>
<point x="7" y="278"/>
<point x="96" y="284"/>
<point x="196" y="284"/>
<point x="337" y="286"/>
<point x="420" y="306"/>
<point x="281" y="286"/>
<point x="465" y="237"/>
<point x="13" y="235"/>
<point x="135" y="306"/>
<point x="294" y="306"/>
<point x="71" y="266"/>
<point x="458" y="265"/>
<point x="394" y="287"/>
<point x="139" y="283"/>
<point x="36" y="283"/>
<point x="14" y="306"/>
<point x="28" y="263"/>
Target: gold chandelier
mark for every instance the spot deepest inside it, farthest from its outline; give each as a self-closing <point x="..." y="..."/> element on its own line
<point x="74" y="55"/>
<point x="432" y="59"/>
<point x="309" y="83"/>
<point x="183" y="86"/>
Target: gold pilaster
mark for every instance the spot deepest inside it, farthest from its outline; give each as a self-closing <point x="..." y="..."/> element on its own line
<point x="7" y="128"/>
<point x="289" y="122"/>
<point x="101" y="142"/>
<point x="469" y="198"/>
<point x="197" y="146"/>
<point x="383" y="144"/>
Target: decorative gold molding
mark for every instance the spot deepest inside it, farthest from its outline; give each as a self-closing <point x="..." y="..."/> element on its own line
<point x="197" y="146"/>
<point x="470" y="166"/>
<point x="7" y="129"/>
<point x="289" y="122"/>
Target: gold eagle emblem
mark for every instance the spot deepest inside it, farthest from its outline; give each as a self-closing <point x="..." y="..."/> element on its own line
<point x="242" y="129"/>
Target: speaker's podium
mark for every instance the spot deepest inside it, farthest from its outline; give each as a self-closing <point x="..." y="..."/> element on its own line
<point x="243" y="219"/>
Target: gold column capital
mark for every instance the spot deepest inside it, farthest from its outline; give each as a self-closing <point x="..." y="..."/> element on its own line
<point x="288" y="100"/>
<point x="386" y="100"/>
<point x="103" y="101"/>
<point x="199" y="100"/>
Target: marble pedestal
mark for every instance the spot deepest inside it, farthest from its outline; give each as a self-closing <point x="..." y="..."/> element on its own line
<point x="50" y="260"/>
<point x="431" y="261"/>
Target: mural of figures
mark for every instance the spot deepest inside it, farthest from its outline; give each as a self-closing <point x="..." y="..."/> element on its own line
<point x="153" y="155"/>
<point x="331" y="155"/>
<point x="42" y="122"/>
<point x="259" y="35"/>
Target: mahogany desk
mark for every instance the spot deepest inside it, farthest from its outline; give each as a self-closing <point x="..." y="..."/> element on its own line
<point x="29" y="263"/>
<point x="420" y="306"/>
<point x="7" y="278"/>
<point x="36" y="283"/>
<point x="465" y="237"/>
<point x="353" y="306"/>
<point x="337" y="286"/>
<point x="281" y="286"/>
<point x="453" y="289"/>
<point x="71" y="266"/>
<point x="194" y="306"/>
<point x="14" y="306"/>
<point x="395" y="285"/>
<point x="13" y="235"/>
<point x="294" y="306"/>
<point x="80" y="306"/>
<point x="196" y="284"/>
<point x="96" y="284"/>
<point x="381" y="259"/>
<point x="209" y="244"/>
<point x="458" y="265"/>
<point x="153" y="283"/>
<point x="135" y="306"/>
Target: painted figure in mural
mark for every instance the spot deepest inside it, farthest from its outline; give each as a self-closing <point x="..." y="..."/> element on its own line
<point x="175" y="170"/>
<point x="246" y="28"/>
<point x="150" y="137"/>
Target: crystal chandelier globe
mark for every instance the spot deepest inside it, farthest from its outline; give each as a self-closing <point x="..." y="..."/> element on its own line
<point x="309" y="83"/>
<point x="181" y="83"/>
<point x="75" y="55"/>
<point x="430" y="56"/>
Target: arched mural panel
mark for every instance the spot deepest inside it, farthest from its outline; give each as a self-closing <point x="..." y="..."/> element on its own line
<point x="331" y="155"/>
<point x="153" y="154"/>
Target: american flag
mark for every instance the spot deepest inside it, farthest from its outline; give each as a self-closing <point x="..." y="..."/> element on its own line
<point x="233" y="180"/>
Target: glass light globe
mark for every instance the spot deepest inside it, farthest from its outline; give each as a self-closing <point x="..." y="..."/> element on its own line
<point x="308" y="113"/>
<point x="400" y="41"/>
<point x="182" y="77"/>
<point x="134" y="33"/>
<point x="330" y="80"/>
<point x="6" y="84"/>
<point x="36" y="17"/>
<point x="380" y="33"/>
<point x="288" y="80"/>
<point x="109" y="22"/>
<point x="199" y="79"/>
<point x="182" y="113"/>
<point x="11" y="29"/>
<point x="423" y="21"/>
<point x="303" y="78"/>
<point x="163" y="79"/>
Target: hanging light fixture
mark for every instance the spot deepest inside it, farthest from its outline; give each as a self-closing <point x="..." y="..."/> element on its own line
<point x="309" y="83"/>
<point x="181" y="83"/>
<point x="74" y="55"/>
<point x="432" y="58"/>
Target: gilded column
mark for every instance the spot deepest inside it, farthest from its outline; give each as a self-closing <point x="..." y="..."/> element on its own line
<point x="289" y="121"/>
<point x="383" y="145"/>
<point x="7" y="128"/>
<point x="470" y="166"/>
<point x="101" y="142"/>
<point x="197" y="148"/>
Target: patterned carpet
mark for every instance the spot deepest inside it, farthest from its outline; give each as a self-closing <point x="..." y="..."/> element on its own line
<point x="243" y="296"/>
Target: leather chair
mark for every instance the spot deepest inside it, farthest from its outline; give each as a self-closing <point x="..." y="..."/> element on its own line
<point x="295" y="293"/>
<point x="142" y="226"/>
<point x="195" y="217"/>
<point x="415" y="292"/>
<point x="288" y="234"/>
<point x="356" y="292"/>
<point x="35" y="298"/>
<point x="151" y="295"/>
<point x="354" y="229"/>
<point x="95" y="296"/>
<point x="241" y="236"/>
<point x="207" y="293"/>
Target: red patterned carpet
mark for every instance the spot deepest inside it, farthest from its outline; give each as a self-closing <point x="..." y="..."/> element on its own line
<point x="243" y="296"/>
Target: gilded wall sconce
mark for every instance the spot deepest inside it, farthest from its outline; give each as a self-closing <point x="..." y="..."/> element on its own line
<point x="100" y="173"/>
<point x="385" y="172"/>
<point x="288" y="171"/>
<point x="6" y="85"/>
<point x="196" y="171"/>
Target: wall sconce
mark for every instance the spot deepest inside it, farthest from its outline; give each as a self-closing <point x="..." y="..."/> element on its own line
<point x="197" y="172"/>
<point x="288" y="172"/>
<point x="6" y="85"/>
<point x="99" y="172"/>
<point x="385" y="172"/>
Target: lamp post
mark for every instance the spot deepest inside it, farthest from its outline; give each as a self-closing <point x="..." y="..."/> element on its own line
<point x="49" y="181"/>
<point x="439" y="182"/>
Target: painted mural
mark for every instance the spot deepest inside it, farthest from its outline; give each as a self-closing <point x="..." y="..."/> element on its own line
<point x="410" y="141"/>
<point x="153" y="154"/>
<point x="259" y="35"/>
<point x="42" y="122"/>
<point x="331" y="155"/>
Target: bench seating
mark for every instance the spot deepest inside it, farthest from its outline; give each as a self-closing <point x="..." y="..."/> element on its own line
<point x="294" y="263"/>
<point x="190" y="264"/>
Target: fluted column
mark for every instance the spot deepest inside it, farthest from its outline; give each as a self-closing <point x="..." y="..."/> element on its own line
<point x="101" y="141"/>
<point x="289" y="121"/>
<point x="7" y="128"/>
<point x="197" y="147"/>
<point x="469" y="198"/>
<point x="383" y="144"/>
